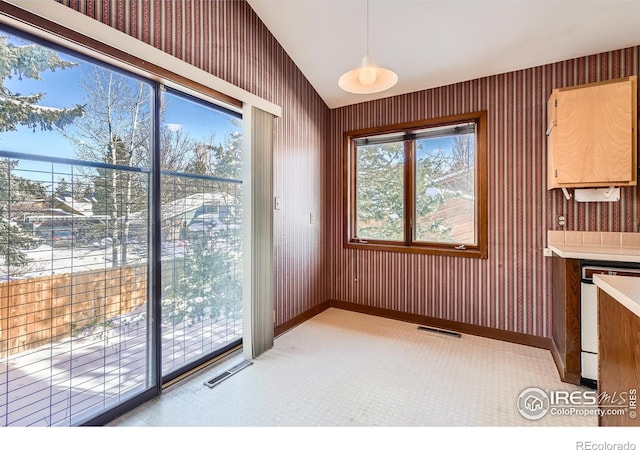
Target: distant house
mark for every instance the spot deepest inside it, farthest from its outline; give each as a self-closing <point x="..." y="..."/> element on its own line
<point x="457" y="209"/>
<point x="193" y="213"/>
<point x="57" y="218"/>
<point x="69" y="204"/>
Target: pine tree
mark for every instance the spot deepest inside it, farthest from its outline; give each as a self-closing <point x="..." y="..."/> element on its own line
<point x="29" y="61"/>
<point x="63" y="188"/>
<point x="17" y="109"/>
<point x="13" y="239"/>
<point x="380" y="193"/>
<point x="206" y="283"/>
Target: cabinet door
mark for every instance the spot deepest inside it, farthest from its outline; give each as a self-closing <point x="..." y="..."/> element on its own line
<point x="595" y="135"/>
<point x="552" y="122"/>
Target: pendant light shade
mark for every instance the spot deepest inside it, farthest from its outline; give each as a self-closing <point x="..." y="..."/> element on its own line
<point x="368" y="78"/>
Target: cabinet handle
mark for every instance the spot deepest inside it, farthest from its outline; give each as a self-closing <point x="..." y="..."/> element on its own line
<point x="548" y="132"/>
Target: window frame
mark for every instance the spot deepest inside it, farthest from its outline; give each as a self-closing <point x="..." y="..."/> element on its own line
<point x="61" y="39"/>
<point x="410" y="244"/>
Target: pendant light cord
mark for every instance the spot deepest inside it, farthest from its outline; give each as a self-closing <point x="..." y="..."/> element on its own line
<point x="367" y="54"/>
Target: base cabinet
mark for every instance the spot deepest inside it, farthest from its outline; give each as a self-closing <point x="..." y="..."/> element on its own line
<point x="565" y="321"/>
<point x="619" y="359"/>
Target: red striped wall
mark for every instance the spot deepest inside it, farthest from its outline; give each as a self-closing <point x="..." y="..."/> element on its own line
<point x="511" y="289"/>
<point x="227" y="39"/>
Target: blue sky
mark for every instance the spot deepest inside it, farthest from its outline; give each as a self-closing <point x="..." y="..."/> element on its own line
<point x="64" y="88"/>
<point x="428" y="146"/>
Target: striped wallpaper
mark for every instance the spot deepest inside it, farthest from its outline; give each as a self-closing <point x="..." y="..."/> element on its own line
<point x="227" y="39"/>
<point x="510" y="290"/>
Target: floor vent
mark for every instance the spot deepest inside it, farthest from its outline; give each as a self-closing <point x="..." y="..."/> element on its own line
<point x="227" y="373"/>
<point x="438" y="330"/>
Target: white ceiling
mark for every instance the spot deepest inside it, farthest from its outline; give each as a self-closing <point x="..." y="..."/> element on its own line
<point x="431" y="43"/>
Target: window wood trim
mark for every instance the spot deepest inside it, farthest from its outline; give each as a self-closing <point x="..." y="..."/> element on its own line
<point x="94" y="46"/>
<point x="74" y="30"/>
<point x="409" y="245"/>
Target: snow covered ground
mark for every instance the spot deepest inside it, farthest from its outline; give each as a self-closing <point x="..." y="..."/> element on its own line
<point x="66" y="382"/>
<point x="47" y="260"/>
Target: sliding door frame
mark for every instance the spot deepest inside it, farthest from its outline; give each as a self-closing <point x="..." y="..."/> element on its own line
<point x="69" y="41"/>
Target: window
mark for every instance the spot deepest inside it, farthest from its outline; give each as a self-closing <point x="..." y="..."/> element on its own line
<point x="107" y="303"/>
<point x="419" y="187"/>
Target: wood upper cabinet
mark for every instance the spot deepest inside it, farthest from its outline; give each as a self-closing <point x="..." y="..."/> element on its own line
<point x="592" y="135"/>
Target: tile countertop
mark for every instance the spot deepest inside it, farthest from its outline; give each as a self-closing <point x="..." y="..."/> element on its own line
<point x="598" y="246"/>
<point x="596" y="253"/>
<point x="625" y="290"/>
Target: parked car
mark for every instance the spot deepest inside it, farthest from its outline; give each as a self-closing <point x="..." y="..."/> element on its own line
<point x="61" y="235"/>
<point x="102" y="243"/>
<point x="202" y="223"/>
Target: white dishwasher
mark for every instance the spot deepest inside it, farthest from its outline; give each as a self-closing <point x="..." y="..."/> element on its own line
<point x="589" y="316"/>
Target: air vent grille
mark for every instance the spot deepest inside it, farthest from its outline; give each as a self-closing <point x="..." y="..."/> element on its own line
<point x="227" y="373"/>
<point x="438" y="330"/>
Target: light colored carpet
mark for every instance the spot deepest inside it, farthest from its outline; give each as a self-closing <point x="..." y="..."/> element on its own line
<point x="348" y="369"/>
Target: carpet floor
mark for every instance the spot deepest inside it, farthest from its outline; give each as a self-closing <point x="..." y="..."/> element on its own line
<point x="346" y="369"/>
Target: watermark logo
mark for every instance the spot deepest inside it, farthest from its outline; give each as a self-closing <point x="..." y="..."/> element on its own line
<point x="590" y="445"/>
<point x="533" y="403"/>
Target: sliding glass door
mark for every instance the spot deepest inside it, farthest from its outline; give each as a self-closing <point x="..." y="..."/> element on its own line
<point x="201" y="230"/>
<point x="88" y="160"/>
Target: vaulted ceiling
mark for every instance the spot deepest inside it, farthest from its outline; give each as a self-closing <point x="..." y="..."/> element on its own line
<point x="431" y="43"/>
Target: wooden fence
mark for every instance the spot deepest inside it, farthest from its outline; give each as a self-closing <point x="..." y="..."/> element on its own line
<point x="37" y="311"/>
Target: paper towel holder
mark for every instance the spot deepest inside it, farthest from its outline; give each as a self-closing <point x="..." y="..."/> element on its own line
<point x="610" y="194"/>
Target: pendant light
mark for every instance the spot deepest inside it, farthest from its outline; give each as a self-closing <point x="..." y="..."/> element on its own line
<point x="368" y="78"/>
